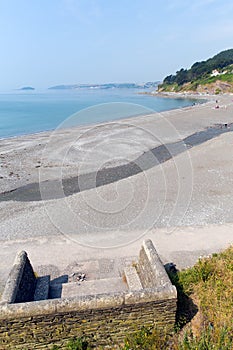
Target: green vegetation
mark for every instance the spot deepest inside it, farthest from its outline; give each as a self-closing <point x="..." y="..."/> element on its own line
<point x="80" y="343"/>
<point x="206" y="291"/>
<point x="147" y="339"/>
<point x="217" y="68"/>
<point x="211" y="281"/>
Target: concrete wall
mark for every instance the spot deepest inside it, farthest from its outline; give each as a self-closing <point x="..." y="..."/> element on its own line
<point x="21" y="283"/>
<point x="150" y="268"/>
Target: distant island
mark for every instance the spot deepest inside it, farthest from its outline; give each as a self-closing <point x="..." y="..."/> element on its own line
<point x="27" y="88"/>
<point x="213" y="76"/>
<point x="106" y="86"/>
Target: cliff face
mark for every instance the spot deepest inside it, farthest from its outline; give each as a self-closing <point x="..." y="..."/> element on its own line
<point x="217" y="87"/>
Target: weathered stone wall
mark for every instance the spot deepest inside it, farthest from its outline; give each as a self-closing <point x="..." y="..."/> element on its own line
<point x="105" y="319"/>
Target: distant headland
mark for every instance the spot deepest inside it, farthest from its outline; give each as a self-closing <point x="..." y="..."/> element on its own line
<point x="146" y="85"/>
<point x="213" y="76"/>
<point x="29" y="88"/>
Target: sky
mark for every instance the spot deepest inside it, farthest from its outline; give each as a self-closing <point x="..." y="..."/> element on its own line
<point x="50" y="42"/>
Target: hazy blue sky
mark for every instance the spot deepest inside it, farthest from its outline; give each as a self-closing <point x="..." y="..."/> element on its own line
<point x="48" y="42"/>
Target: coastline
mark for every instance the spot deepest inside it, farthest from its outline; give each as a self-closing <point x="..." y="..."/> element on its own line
<point x="198" y="95"/>
<point x="174" y="96"/>
<point x="26" y="225"/>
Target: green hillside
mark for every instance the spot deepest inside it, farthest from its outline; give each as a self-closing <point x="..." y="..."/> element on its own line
<point x="214" y="75"/>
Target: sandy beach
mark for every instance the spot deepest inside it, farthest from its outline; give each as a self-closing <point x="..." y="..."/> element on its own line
<point x="97" y="191"/>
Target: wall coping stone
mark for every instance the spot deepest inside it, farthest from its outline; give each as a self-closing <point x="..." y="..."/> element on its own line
<point x="159" y="276"/>
<point x="14" y="278"/>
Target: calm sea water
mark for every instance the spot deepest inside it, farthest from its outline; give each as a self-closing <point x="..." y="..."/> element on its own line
<point x="30" y="112"/>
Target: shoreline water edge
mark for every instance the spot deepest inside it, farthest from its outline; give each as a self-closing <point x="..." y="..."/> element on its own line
<point x="201" y="99"/>
<point x="49" y="121"/>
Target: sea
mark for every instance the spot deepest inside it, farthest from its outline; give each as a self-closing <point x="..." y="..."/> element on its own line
<point x="29" y="112"/>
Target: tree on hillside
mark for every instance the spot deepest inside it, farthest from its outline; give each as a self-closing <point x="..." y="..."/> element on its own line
<point x="182" y="76"/>
<point x="170" y="79"/>
<point x="200" y="69"/>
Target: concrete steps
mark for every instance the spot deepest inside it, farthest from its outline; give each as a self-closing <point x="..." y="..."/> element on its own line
<point x="97" y="286"/>
<point x="42" y="288"/>
<point x="132" y="278"/>
<point x="93" y="287"/>
<point x="55" y="290"/>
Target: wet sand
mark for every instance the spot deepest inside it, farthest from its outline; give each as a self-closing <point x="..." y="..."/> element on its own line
<point x="165" y="176"/>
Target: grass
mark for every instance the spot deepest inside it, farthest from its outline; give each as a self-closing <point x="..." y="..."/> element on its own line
<point x="80" y="343"/>
<point x="147" y="339"/>
<point x="209" y="284"/>
<point x="228" y="78"/>
<point x="206" y="291"/>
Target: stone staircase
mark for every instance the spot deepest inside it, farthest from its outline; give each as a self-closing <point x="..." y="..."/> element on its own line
<point x="132" y="278"/>
<point x="93" y="287"/>
<point x="128" y="293"/>
<point x="128" y="281"/>
<point x="105" y="276"/>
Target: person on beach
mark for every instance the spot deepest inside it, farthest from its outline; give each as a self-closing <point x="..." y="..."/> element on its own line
<point x="217" y="105"/>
